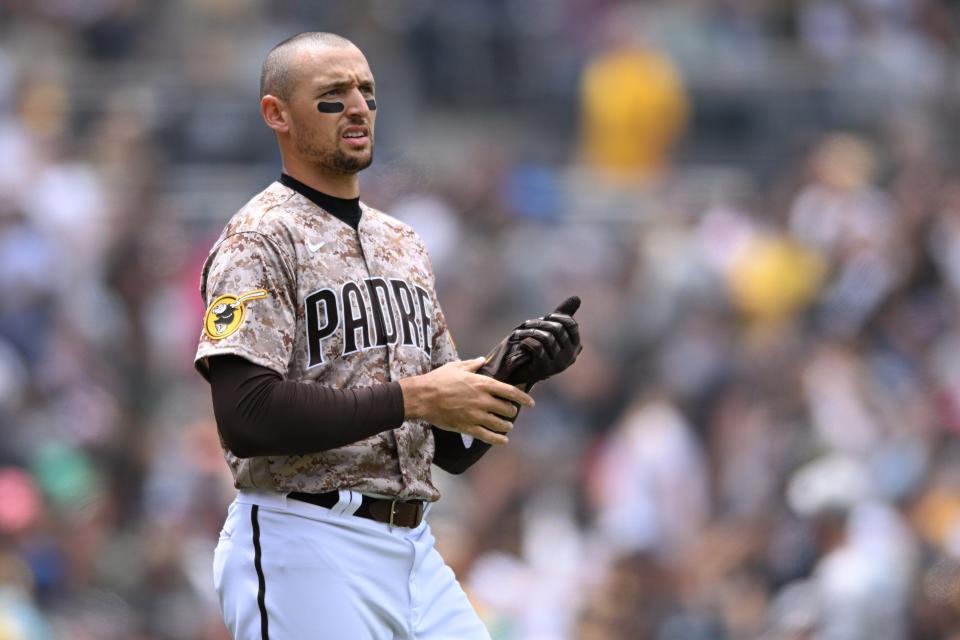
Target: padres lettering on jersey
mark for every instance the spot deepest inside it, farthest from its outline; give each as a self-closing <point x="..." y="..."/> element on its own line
<point x="376" y="313"/>
<point x="345" y="308"/>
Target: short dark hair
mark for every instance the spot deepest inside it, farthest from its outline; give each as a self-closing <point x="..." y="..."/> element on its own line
<point x="276" y="77"/>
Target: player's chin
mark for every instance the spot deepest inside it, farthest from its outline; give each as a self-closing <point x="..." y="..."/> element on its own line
<point x="361" y="154"/>
<point x="352" y="162"/>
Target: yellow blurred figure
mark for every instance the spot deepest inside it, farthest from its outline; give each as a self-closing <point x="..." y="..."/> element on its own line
<point x="775" y="278"/>
<point x="633" y="110"/>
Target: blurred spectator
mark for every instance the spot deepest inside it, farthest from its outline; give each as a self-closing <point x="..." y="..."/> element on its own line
<point x="649" y="487"/>
<point x="633" y="105"/>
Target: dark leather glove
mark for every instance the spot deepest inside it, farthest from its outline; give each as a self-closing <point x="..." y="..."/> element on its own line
<point x="534" y="351"/>
<point x="537" y="349"/>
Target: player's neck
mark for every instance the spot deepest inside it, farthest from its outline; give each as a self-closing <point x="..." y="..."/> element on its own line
<point x="337" y="185"/>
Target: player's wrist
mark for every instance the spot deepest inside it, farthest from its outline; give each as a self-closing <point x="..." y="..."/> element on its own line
<point x="413" y="389"/>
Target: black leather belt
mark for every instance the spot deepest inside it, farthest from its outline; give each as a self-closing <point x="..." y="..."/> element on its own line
<point x="396" y="513"/>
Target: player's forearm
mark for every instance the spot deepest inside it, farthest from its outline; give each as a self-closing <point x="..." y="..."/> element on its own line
<point x="419" y="395"/>
<point x="452" y="455"/>
<point x="260" y="414"/>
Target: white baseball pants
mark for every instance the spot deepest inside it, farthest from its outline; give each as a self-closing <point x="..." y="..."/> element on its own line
<point x="288" y="570"/>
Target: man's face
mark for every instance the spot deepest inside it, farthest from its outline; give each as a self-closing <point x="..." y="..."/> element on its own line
<point x="340" y="143"/>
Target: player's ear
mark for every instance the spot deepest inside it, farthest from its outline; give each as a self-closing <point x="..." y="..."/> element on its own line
<point x="274" y="114"/>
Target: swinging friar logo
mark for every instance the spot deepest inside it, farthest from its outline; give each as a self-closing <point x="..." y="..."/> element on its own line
<point x="225" y="314"/>
<point x="393" y="312"/>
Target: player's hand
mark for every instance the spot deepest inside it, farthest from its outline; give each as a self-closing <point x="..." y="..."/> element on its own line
<point x="538" y="348"/>
<point x="552" y="344"/>
<point x="454" y="398"/>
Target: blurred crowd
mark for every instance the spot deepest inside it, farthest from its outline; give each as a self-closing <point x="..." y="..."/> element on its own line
<point x="759" y="204"/>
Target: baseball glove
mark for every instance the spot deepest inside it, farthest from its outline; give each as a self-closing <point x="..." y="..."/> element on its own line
<point x="537" y="349"/>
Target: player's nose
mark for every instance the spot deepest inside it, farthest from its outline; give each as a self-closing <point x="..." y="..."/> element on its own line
<point x="356" y="104"/>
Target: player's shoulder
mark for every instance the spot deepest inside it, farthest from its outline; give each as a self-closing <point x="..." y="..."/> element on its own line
<point x="265" y="213"/>
<point x="390" y="226"/>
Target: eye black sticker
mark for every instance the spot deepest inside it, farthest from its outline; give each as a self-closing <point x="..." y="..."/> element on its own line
<point x="330" y="107"/>
<point x="337" y="107"/>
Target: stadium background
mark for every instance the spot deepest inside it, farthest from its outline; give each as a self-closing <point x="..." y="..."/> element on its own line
<point x="759" y="203"/>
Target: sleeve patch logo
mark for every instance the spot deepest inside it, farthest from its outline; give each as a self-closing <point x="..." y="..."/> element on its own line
<point x="225" y="314"/>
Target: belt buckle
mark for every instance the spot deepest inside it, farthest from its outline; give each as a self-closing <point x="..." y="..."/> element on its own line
<point x="393" y="511"/>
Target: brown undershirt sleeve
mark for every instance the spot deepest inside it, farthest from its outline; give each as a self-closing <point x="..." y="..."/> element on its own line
<point x="452" y="455"/>
<point x="261" y="414"/>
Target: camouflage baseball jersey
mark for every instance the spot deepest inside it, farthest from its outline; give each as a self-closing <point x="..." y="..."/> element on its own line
<point x="295" y="289"/>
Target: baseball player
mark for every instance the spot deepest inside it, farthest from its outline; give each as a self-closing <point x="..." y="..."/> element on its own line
<point x="336" y="383"/>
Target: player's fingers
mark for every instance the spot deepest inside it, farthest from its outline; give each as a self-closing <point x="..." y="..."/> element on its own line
<point x="563" y="318"/>
<point x="470" y="365"/>
<point x="486" y="435"/>
<point x="545" y="324"/>
<point x="544" y="337"/>
<point x="556" y="329"/>
<point x="569" y="306"/>
<point x="571" y="325"/>
<point x="520" y="357"/>
<point x="494" y="422"/>
<point x="508" y="392"/>
<point x="501" y="408"/>
<point x="533" y="348"/>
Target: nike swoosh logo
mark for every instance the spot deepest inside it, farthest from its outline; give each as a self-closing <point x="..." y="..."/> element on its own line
<point x="314" y="247"/>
